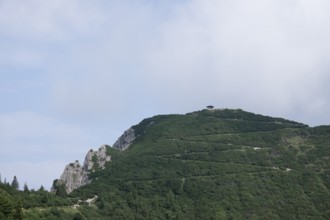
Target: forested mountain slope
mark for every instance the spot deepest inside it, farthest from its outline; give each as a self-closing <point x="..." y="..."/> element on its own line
<point x="217" y="164"/>
<point x="213" y="164"/>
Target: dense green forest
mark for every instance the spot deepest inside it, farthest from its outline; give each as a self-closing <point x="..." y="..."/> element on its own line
<point x="34" y="204"/>
<point x="210" y="164"/>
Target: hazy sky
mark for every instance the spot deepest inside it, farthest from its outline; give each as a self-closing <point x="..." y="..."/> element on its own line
<point x="75" y="74"/>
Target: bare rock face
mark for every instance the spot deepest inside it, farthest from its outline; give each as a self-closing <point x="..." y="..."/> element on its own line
<point x="75" y="175"/>
<point x="96" y="159"/>
<point x="125" y="140"/>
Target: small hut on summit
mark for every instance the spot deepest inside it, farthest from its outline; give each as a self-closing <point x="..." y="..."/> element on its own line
<point x="210" y="107"/>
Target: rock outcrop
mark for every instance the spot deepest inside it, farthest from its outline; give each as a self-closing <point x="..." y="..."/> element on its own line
<point x="76" y="175"/>
<point x="96" y="159"/>
<point x="73" y="176"/>
<point x="125" y="140"/>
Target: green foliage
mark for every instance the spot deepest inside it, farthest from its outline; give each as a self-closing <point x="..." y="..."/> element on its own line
<point x="95" y="163"/>
<point x="18" y="212"/>
<point x="15" y="183"/>
<point x="210" y="164"/>
<point x="40" y="204"/>
<point x="59" y="189"/>
<point x="6" y="204"/>
<point x="226" y="164"/>
<point x="26" y="188"/>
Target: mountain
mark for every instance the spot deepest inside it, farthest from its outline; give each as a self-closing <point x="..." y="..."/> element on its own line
<point x="208" y="164"/>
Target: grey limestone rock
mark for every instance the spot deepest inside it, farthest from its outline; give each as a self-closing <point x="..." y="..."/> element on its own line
<point x="96" y="159"/>
<point x="125" y="140"/>
<point x="75" y="175"/>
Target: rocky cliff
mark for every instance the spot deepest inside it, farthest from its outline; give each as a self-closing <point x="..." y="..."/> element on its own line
<point x="96" y="159"/>
<point x="125" y="140"/>
<point x="76" y="175"/>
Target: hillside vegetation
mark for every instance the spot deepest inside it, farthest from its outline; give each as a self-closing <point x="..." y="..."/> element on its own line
<point x="211" y="164"/>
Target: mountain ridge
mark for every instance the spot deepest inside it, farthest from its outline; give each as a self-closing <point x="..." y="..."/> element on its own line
<point x="75" y="175"/>
<point x="208" y="164"/>
<point x="176" y="156"/>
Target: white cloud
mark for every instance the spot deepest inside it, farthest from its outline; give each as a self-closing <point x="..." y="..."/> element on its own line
<point x="20" y="57"/>
<point x="46" y="20"/>
<point x="255" y="54"/>
<point x="264" y="56"/>
<point x="30" y="125"/>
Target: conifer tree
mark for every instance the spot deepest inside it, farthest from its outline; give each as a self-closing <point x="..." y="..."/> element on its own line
<point x="60" y="190"/>
<point x="15" y="183"/>
<point x="26" y="188"/>
<point x="41" y="189"/>
<point x="18" y="212"/>
<point x="6" y="204"/>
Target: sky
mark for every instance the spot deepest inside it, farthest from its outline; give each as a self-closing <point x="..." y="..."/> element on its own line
<point x="76" y="74"/>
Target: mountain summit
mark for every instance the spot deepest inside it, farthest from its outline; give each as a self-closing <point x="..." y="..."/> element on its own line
<point x="215" y="164"/>
<point x="208" y="164"/>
